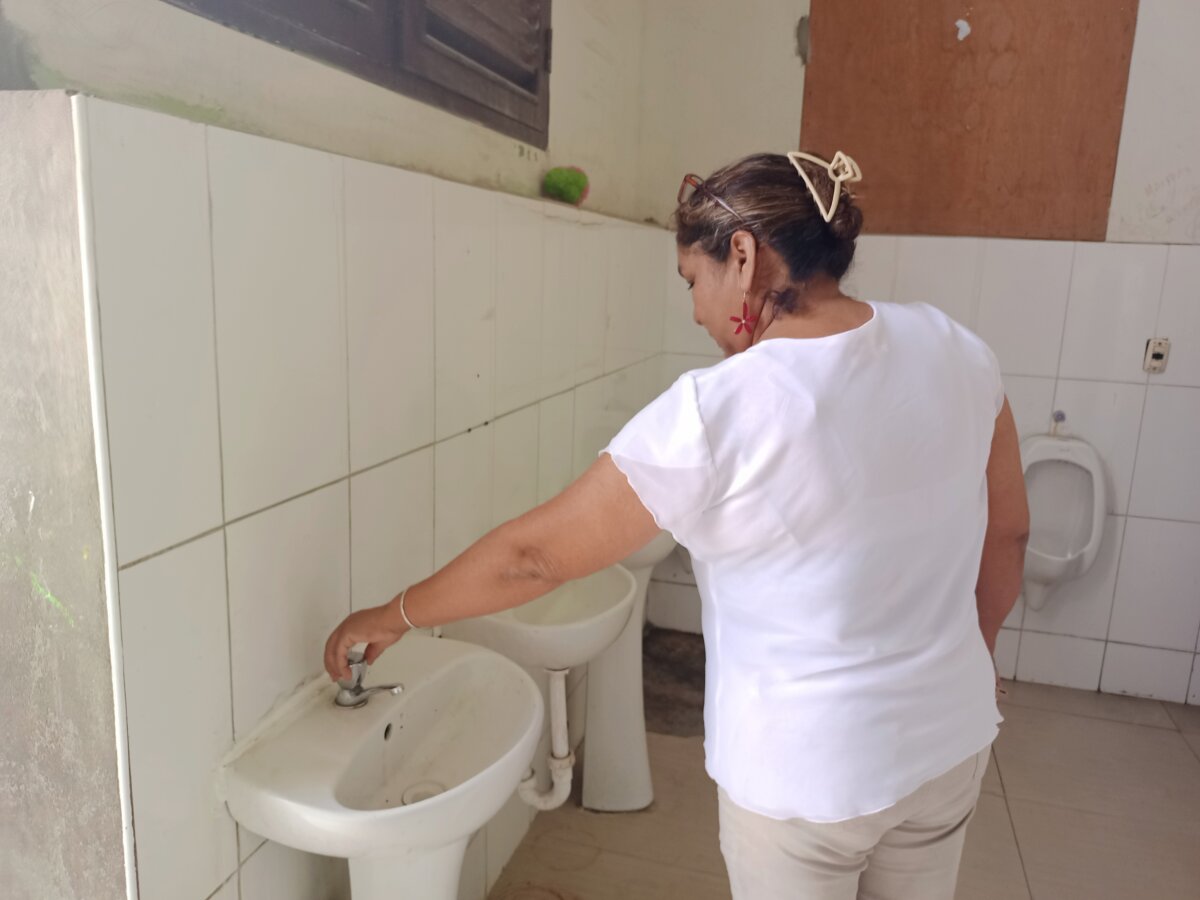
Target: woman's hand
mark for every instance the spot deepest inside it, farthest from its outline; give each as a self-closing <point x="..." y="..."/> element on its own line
<point x="378" y="627"/>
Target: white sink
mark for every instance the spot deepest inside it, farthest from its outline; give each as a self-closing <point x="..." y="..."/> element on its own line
<point x="399" y="785"/>
<point x="563" y="629"/>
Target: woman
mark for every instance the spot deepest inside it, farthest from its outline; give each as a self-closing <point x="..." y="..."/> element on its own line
<point x="849" y="485"/>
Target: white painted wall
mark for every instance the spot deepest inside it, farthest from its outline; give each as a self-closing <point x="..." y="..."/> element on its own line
<point x="719" y="81"/>
<point x="640" y="90"/>
<point x="1156" y="193"/>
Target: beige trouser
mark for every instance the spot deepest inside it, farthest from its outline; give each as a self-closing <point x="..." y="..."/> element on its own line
<point x="909" y="851"/>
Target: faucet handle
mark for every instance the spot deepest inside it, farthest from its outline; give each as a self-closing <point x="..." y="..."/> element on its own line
<point x="358" y="671"/>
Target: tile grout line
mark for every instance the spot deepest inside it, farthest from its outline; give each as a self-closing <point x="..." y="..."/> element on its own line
<point x="212" y="269"/>
<point x="340" y="218"/>
<point x="431" y="445"/>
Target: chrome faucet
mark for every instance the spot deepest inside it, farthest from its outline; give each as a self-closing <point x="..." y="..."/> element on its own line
<point x="351" y="693"/>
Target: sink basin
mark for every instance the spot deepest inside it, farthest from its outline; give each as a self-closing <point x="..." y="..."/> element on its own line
<point x="399" y="785"/>
<point x="563" y="629"/>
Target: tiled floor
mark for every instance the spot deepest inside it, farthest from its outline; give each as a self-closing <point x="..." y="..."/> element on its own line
<point x="1089" y="797"/>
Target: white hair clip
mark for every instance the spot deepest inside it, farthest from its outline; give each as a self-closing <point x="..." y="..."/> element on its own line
<point x="842" y="168"/>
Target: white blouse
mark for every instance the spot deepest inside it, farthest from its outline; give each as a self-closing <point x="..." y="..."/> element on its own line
<point x="833" y="495"/>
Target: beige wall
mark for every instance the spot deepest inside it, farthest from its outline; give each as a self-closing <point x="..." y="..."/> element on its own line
<point x="60" y="805"/>
<point x="719" y="80"/>
<point x="640" y="90"/>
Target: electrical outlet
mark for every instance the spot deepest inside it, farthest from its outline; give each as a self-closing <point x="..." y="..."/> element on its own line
<point x="1157" y="350"/>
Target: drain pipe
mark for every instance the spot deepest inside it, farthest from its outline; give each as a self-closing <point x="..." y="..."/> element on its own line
<point x="561" y="759"/>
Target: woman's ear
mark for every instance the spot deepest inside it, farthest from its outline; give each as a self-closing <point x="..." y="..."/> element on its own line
<point x="744" y="256"/>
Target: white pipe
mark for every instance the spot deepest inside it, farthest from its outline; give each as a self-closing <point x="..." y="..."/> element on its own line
<point x="561" y="759"/>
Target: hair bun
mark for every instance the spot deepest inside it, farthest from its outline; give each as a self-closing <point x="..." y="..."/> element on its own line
<point x="847" y="221"/>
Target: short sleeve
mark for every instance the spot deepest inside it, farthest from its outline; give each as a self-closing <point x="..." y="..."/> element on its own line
<point x="664" y="453"/>
<point x="997" y="382"/>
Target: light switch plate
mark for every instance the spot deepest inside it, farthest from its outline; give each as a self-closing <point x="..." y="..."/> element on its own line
<point x="1157" y="351"/>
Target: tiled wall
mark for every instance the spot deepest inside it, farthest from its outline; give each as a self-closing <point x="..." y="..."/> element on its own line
<point x="323" y="378"/>
<point x="1069" y="324"/>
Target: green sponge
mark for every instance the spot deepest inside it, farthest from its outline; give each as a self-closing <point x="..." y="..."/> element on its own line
<point x="566" y="183"/>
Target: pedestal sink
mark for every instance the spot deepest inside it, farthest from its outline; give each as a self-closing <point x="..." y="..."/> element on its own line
<point x="616" y="768"/>
<point x="562" y="629"/>
<point x="557" y="632"/>
<point x="398" y="786"/>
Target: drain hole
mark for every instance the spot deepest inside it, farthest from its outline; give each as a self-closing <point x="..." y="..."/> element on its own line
<point x="387" y="732"/>
<point x="422" y="790"/>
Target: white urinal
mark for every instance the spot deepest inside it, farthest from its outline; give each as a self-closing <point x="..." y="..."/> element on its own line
<point x="1068" y="502"/>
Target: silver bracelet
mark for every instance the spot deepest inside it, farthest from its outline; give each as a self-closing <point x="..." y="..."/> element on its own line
<point x="403" y="614"/>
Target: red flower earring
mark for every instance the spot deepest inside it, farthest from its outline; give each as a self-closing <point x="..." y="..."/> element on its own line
<point x="746" y="321"/>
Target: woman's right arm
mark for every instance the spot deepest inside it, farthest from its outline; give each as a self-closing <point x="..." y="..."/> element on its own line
<point x="1003" y="563"/>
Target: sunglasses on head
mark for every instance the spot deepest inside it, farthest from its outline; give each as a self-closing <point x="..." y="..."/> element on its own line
<point x="694" y="184"/>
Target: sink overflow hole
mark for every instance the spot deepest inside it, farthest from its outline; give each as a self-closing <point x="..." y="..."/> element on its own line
<point x="387" y="732"/>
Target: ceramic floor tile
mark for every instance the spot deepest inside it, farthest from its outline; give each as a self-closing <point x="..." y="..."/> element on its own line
<point x="1074" y="855"/>
<point x="1134" y="710"/>
<point x="549" y="868"/>
<point x="678" y="829"/>
<point x="1193" y="741"/>
<point x="1186" y="718"/>
<point x="991" y="778"/>
<point x="1112" y="768"/>
<point x="991" y="864"/>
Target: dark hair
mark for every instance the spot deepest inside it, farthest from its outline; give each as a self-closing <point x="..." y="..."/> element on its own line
<point x="774" y="204"/>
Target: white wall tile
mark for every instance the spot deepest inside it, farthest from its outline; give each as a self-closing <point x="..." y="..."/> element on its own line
<point x="674" y="606"/>
<point x="560" y="308"/>
<point x="556" y="429"/>
<point x="1016" y="615"/>
<point x="505" y="832"/>
<point x="587" y="255"/>
<point x="1165" y="484"/>
<point x="1158" y="591"/>
<point x="1106" y="415"/>
<point x="603" y="407"/>
<point x="1193" y="696"/>
<point x="175" y="638"/>
<point x="626" y="317"/>
<point x="228" y="891"/>
<point x="391" y="528"/>
<point x="1007" y="642"/>
<point x="1113" y="306"/>
<point x="1146" y="672"/>
<point x="872" y="275"/>
<point x="276" y="872"/>
<point x="651" y="245"/>
<point x="389" y="305"/>
<point x="514" y="465"/>
<point x="465" y="306"/>
<point x="941" y="271"/>
<point x="154" y="275"/>
<point x="472" y="884"/>
<point x="1179" y="317"/>
<point x="462" y="493"/>
<point x="519" y="272"/>
<point x="1031" y="401"/>
<point x="281" y="344"/>
<point x="1055" y="659"/>
<point x="672" y="365"/>
<point x="592" y="432"/>
<point x="681" y="334"/>
<point x="289" y="586"/>
<point x="1023" y="302"/>
<point x="1082" y="607"/>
